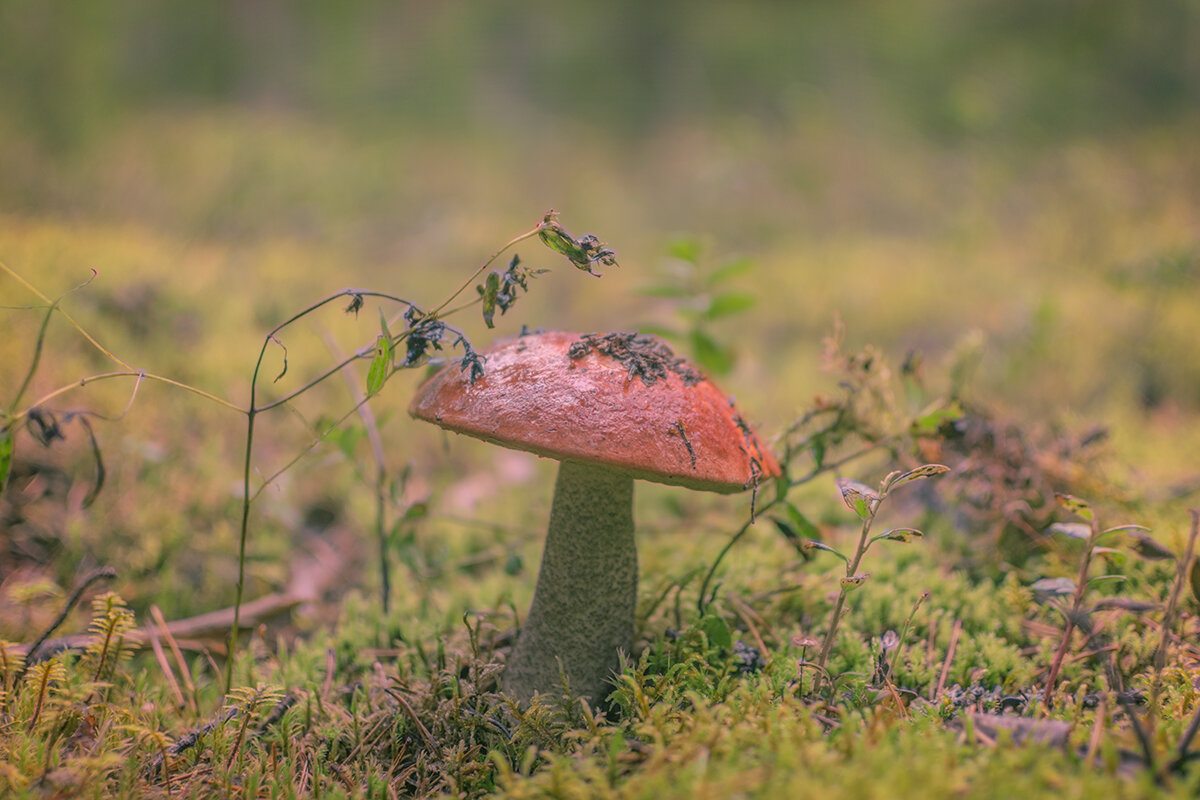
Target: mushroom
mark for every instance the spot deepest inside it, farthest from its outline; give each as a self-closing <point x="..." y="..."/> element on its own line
<point x="611" y="408"/>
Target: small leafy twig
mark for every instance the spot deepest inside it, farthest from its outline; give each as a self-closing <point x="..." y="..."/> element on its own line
<point x="1077" y="614"/>
<point x="865" y="501"/>
<point x="1181" y="577"/>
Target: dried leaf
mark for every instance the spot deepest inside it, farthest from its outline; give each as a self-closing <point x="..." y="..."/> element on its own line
<point x="1150" y="549"/>
<point x="817" y="544"/>
<point x="925" y="471"/>
<point x="585" y="252"/>
<point x="904" y="535"/>
<point x="1126" y="604"/>
<point x="851" y="582"/>
<point x="1073" y="504"/>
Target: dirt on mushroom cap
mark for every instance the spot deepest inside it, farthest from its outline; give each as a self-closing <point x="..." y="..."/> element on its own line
<point x="622" y="400"/>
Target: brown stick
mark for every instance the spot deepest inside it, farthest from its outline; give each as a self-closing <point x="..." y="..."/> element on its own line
<point x="185" y="670"/>
<point x="955" y="632"/>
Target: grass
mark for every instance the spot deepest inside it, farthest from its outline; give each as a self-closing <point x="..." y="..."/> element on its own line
<point x="1047" y="294"/>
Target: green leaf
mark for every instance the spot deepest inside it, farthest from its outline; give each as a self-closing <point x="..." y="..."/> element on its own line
<point x="858" y="497"/>
<point x="377" y="374"/>
<point x="729" y="303"/>
<point x="723" y="273"/>
<point x="488" y="291"/>
<point x="1104" y="580"/>
<point x="930" y="419"/>
<point x="904" y="535"/>
<point x="1072" y="530"/>
<point x="1073" y="504"/>
<point x="1113" y="556"/>
<point x="802" y="524"/>
<point x="383" y="325"/>
<point x="6" y="457"/>
<point x="1194" y="578"/>
<point x="345" y="438"/>
<point x="416" y="510"/>
<point x="712" y="356"/>
<point x="717" y="632"/>
<point x="688" y="250"/>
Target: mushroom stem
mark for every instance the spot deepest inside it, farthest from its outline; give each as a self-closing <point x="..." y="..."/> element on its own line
<point x="583" y="607"/>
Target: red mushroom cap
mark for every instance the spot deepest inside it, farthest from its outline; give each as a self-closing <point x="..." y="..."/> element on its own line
<point x="620" y="400"/>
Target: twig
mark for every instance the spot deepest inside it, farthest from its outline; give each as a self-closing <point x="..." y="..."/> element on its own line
<point x="955" y="632"/>
<point x="189" y="740"/>
<point x="746" y="614"/>
<point x="1097" y="731"/>
<point x="425" y="734"/>
<point x="161" y="657"/>
<point x="185" y="671"/>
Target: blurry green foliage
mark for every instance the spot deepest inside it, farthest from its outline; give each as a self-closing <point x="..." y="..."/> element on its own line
<point x="701" y="296"/>
<point x="949" y="69"/>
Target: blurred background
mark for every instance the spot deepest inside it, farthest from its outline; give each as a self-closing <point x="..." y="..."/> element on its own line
<point x="1009" y="185"/>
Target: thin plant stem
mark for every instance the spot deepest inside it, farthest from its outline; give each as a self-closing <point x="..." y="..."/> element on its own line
<point x="252" y="411"/>
<point x="140" y="375"/>
<point x="1168" y="620"/>
<point x="82" y="331"/>
<point x="702" y="601"/>
<point x="1076" y="604"/>
<point x="377" y="453"/>
<point x="484" y="266"/>
<point x="835" y="616"/>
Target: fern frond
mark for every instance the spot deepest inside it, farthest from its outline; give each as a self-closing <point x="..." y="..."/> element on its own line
<point x="39" y="680"/>
<point x="111" y="622"/>
<point x="12" y="661"/>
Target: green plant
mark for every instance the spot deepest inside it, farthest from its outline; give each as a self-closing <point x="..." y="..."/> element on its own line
<point x="701" y="296"/>
<point x="1075" y="612"/>
<point x="865" y="502"/>
<point x="423" y="331"/>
